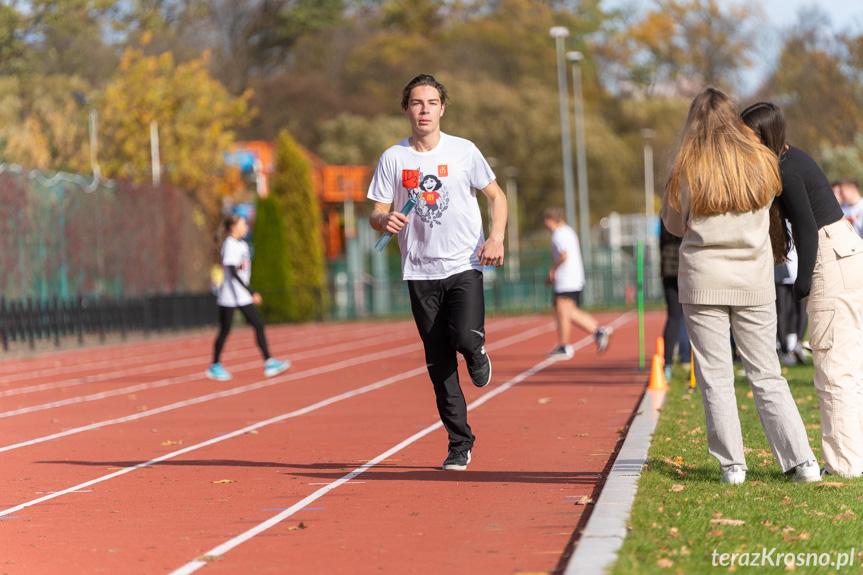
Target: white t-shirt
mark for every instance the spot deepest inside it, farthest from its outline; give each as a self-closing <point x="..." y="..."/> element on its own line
<point x="445" y="229"/>
<point x="854" y="214"/>
<point x="235" y="253"/>
<point x="569" y="276"/>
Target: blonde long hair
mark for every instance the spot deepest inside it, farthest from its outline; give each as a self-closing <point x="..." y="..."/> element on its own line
<point x="721" y="167"/>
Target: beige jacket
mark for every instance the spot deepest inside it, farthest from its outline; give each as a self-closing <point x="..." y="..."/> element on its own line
<point x="725" y="259"/>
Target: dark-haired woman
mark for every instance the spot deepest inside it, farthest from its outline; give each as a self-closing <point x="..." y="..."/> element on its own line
<point x="830" y="272"/>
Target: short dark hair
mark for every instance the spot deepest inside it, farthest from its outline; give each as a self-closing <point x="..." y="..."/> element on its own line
<point x="849" y="181"/>
<point x="768" y="122"/>
<point x="424" y="80"/>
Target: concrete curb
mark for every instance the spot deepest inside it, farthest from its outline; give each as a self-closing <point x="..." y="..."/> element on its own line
<point x="603" y="536"/>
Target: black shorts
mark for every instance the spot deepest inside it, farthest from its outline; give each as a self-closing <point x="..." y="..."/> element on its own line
<point x="573" y="295"/>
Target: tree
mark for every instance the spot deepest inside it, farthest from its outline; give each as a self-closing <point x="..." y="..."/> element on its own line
<point x="292" y="186"/>
<point x="42" y="125"/>
<point x="195" y="116"/>
<point x="270" y="266"/>
<point x="815" y="85"/>
<point x="698" y="40"/>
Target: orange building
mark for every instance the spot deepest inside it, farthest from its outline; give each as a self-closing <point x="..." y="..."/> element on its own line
<point x="333" y="185"/>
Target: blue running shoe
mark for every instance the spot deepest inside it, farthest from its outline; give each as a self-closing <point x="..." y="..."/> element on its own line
<point x="217" y="372"/>
<point x="273" y="367"/>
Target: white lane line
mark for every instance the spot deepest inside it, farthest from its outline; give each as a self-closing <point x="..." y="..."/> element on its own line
<point x="224" y="437"/>
<point x="250" y="350"/>
<point x="219" y="439"/>
<point x="351" y="346"/>
<point x="236" y="391"/>
<point x="218" y="395"/>
<point x="200" y="360"/>
<point x="220" y="550"/>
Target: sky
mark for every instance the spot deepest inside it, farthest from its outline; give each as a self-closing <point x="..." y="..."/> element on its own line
<point x="843" y="16"/>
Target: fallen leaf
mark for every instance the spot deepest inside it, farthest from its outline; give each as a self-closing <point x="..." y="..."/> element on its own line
<point x="673" y="532"/>
<point x="300" y="526"/>
<point x="582" y="435"/>
<point x="585" y="500"/>
<point x="665" y="563"/>
<point x="831" y="484"/>
<point x="846" y="515"/>
<point x="684" y="551"/>
<point x="728" y="521"/>
<point x="224" y="481"/>
<point x="170" y="442"/>
<point x="676" y="488"/>
<point x="543" y="400"/>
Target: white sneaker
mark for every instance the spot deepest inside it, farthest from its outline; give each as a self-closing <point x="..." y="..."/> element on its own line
<point x="561" y="352"/>
<point x="807" y="472"/>
<point x="733" y="475"/>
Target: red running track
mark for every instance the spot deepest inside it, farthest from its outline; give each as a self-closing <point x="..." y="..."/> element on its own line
<point x="125" y="459"/>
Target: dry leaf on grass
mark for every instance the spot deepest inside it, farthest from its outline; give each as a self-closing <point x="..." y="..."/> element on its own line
<point x="728" y="521"/>
<point x="665" y="563"/>
<point x="677" y="488"/>
<point x="831" y="484"/>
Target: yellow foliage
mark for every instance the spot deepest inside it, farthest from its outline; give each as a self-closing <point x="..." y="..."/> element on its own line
<point x="195" y="116"/>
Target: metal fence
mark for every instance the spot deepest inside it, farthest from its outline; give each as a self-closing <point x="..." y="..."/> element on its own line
<point x="58" y="239"/>
<point x="56" y="319"/>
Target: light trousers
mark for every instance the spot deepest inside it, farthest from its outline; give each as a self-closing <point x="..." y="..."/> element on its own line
<point x="754" y="328"/>
<point x="836" y="337"/>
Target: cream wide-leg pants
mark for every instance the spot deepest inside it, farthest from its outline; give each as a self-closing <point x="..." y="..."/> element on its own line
<point x="754" y="328"/>
<point x="836" y="337"/>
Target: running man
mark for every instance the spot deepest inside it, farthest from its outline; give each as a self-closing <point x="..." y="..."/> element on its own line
<point x="567" y="276"/>
<point x="443" y="250"/>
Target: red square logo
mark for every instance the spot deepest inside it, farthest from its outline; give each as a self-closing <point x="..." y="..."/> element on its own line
<point x="442" y="171"/>
<point x="411" y="179"/>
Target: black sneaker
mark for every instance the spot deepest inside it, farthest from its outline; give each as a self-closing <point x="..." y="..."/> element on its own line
<point x="479" y="368"/>
<point x="457" y="460"/>
<point x="602" y="335"/>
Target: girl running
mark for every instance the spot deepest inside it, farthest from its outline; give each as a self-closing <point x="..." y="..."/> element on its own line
<point x="235" y="293"/>
<point x="717" y="199"/>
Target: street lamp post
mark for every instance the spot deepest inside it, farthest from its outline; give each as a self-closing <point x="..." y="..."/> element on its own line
<point x="649" y="189"/>
<point x="581" y="154"/>
<point x="512" y="223"/>
<point x="560" y="33"/>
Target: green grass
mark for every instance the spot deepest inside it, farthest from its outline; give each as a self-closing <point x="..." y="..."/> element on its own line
<point x="682" y="513"/>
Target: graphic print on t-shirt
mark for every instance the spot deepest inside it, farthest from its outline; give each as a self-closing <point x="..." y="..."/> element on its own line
<point x="432" y="199"/>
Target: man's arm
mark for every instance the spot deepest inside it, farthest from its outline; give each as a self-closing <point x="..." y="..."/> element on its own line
<point x="491" y="252"/>
<point x="383" y="220"/>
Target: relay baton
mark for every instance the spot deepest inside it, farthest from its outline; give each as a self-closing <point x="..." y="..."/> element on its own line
<point x="408" y="208"/>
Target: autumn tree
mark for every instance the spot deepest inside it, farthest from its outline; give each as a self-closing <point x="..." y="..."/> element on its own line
<point x="816" y="87"/>
<point x="42" y="124"/>
<point x="703" y="41"/>
<point x="194" y="115"/>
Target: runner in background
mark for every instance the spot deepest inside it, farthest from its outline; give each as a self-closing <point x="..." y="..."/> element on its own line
<point x="567" y="276"/>
<point x="235" y="293"/>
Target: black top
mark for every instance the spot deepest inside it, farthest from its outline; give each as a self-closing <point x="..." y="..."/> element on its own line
<point x="669" y="252"/>
<point x="810" y="205"/>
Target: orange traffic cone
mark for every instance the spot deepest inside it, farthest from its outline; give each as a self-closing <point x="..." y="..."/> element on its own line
<point x="660" y="347"/>
<point x="657" y="378"/>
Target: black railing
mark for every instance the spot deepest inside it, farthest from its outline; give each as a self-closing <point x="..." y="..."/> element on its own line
<point x="29" y="320"/>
